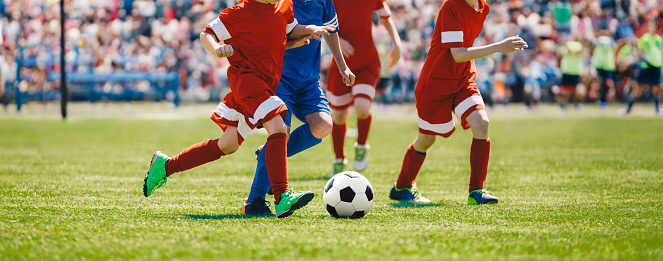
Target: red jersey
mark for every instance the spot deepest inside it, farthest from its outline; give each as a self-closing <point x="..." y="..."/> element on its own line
<point x="257" y="34"/>
<point x="355" y="23"/>
<point x="458" y="25"/>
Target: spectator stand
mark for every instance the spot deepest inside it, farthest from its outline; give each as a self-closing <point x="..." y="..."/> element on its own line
<point x="117" y="85"/>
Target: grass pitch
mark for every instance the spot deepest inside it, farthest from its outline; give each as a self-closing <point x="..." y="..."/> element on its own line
<point x="575" y="185"/>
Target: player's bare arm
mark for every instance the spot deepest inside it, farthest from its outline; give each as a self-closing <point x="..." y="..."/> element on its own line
<point x="508" y="45"/>
<point x="388" y="23"/>
<point x="346" y="48"/>
<point x="219" y="48"/>
<point x="310" y="30"/>
<point x="334" y="44"/>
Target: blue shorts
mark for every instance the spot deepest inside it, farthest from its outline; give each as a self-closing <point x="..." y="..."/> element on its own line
<point x="301" y="99"/>
<point x="650" y="75"/>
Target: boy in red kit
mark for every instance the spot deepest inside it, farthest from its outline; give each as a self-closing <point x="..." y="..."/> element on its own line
<point x="446" y="85"/>
<point x="253" y="35"/>
<point x="354" y="19"/>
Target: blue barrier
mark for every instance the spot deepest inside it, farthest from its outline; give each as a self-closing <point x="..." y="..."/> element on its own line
<point x="88" y="85"/>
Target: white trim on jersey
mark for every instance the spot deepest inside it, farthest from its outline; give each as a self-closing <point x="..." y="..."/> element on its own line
<point x="442" y="128"/>
<point x="462" y="107"/>
<point x="339" y="100"/>
<point x="333" y="21"/>
<point x="363" y="89"/>
<point x="384" y="11"/>
<point x="232" y="115"/>
<point x="291" y="26"/>
<point x="452" y="37"/>
<point x="219" y="29"/>
<point x="267" y="106"/>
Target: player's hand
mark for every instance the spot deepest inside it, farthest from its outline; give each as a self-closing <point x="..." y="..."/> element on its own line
<point x="394" y="56"/>
<point x="294" y="43"/>
<point x="225" y="50"/>
<point x="346" y="48"/>
<point x="512" y="44"/>
<point x="316" y="31"/>
<point x="348" y="77"/>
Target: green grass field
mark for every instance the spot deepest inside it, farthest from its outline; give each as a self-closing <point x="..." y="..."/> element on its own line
<point x="580" y="185"/>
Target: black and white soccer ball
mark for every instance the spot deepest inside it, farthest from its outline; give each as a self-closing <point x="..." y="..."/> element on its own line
<point x="348" y="194"/>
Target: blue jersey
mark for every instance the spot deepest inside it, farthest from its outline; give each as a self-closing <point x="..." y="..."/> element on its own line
<point x="301" y="65"/>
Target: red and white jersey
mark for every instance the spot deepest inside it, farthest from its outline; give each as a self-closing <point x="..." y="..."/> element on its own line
<point x="257" y="34"/>
<point x="355" y="24"/>
<point x="458" y="25"/>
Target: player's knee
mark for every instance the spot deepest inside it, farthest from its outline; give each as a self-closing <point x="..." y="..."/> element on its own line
<point x="321" y="129"/>
<point x="275" y="125"/>
<point x="227" y="148"/>
<point x="481" y="125"/>
<point x="424" y="142"/>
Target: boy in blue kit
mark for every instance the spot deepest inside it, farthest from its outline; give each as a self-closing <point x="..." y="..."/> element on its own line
<point x="300" y="90"/>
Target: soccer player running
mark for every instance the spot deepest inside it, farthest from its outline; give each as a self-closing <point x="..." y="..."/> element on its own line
<point x="300" y="90"/>
<point x="649" y="76"/>
<point x="253" y="35"/>
<point x="354" y="18"/>
<point x="446" y="85"/>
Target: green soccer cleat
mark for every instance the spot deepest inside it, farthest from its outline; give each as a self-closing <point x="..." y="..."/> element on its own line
<point x="156" y="175"/>
<point x="407" y="194"/>
<point x="480" y="197"/>
<point x="339" y="166"/>
<point x="292" y="200"/>
<point x="361" y="157"/>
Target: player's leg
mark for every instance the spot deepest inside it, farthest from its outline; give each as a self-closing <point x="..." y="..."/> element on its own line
<point x="364" y="119"/>
<point x="434" y="119"/>
<point x="363" y="93"/>
<point x="656" y="88"/>
<point x="287" y="201"/>
<point x="405" y="188"/>
<point x="479" y="156"/>
<point x="339" y="119"/>
<point x="198" y="154"/>
<point x="311" y="107"/>
<point x="340" y="99"/>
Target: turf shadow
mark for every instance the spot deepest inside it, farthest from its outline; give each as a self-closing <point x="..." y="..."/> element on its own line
<point x="409" y="204"/>
<point x="221" y="217"/>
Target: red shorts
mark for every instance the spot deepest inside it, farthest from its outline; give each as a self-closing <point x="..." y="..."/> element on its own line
<point x="254" y="105"/>
<point x="341" y="96"/>
<point x="435" y="104"/>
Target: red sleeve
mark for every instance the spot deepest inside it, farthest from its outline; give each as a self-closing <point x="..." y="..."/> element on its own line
<point x="379" y="5"/>
<point x="210" y="31"/>
<point x="290" y="14"/>
<point x="451" y="28"/>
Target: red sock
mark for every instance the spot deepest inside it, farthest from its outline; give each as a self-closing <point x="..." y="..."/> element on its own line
<point x="194" y="156"/>
<point x="363" y="126"/>
<point x="411" y="165"/>
<point x="338" y="138"/>
<point x="479" y="155"/>
<point x="277" y="164"/>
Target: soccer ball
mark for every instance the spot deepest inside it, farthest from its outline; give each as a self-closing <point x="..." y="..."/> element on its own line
<point x="348" y="194"/>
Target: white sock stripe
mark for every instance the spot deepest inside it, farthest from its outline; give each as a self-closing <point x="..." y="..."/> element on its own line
<point x="219" y="29"/>
<point x="467" y="103"/>
<point x="339" y="100"/>
<point x="452" y="37"/>
<point x="265" y="108"/>
<point x="363" y="89"/>
<point x="441" y="128"/>
<point x="291" y="26"/>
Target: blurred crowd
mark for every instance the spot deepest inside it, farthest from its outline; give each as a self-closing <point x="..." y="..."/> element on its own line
<point x="162" y="35"/>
